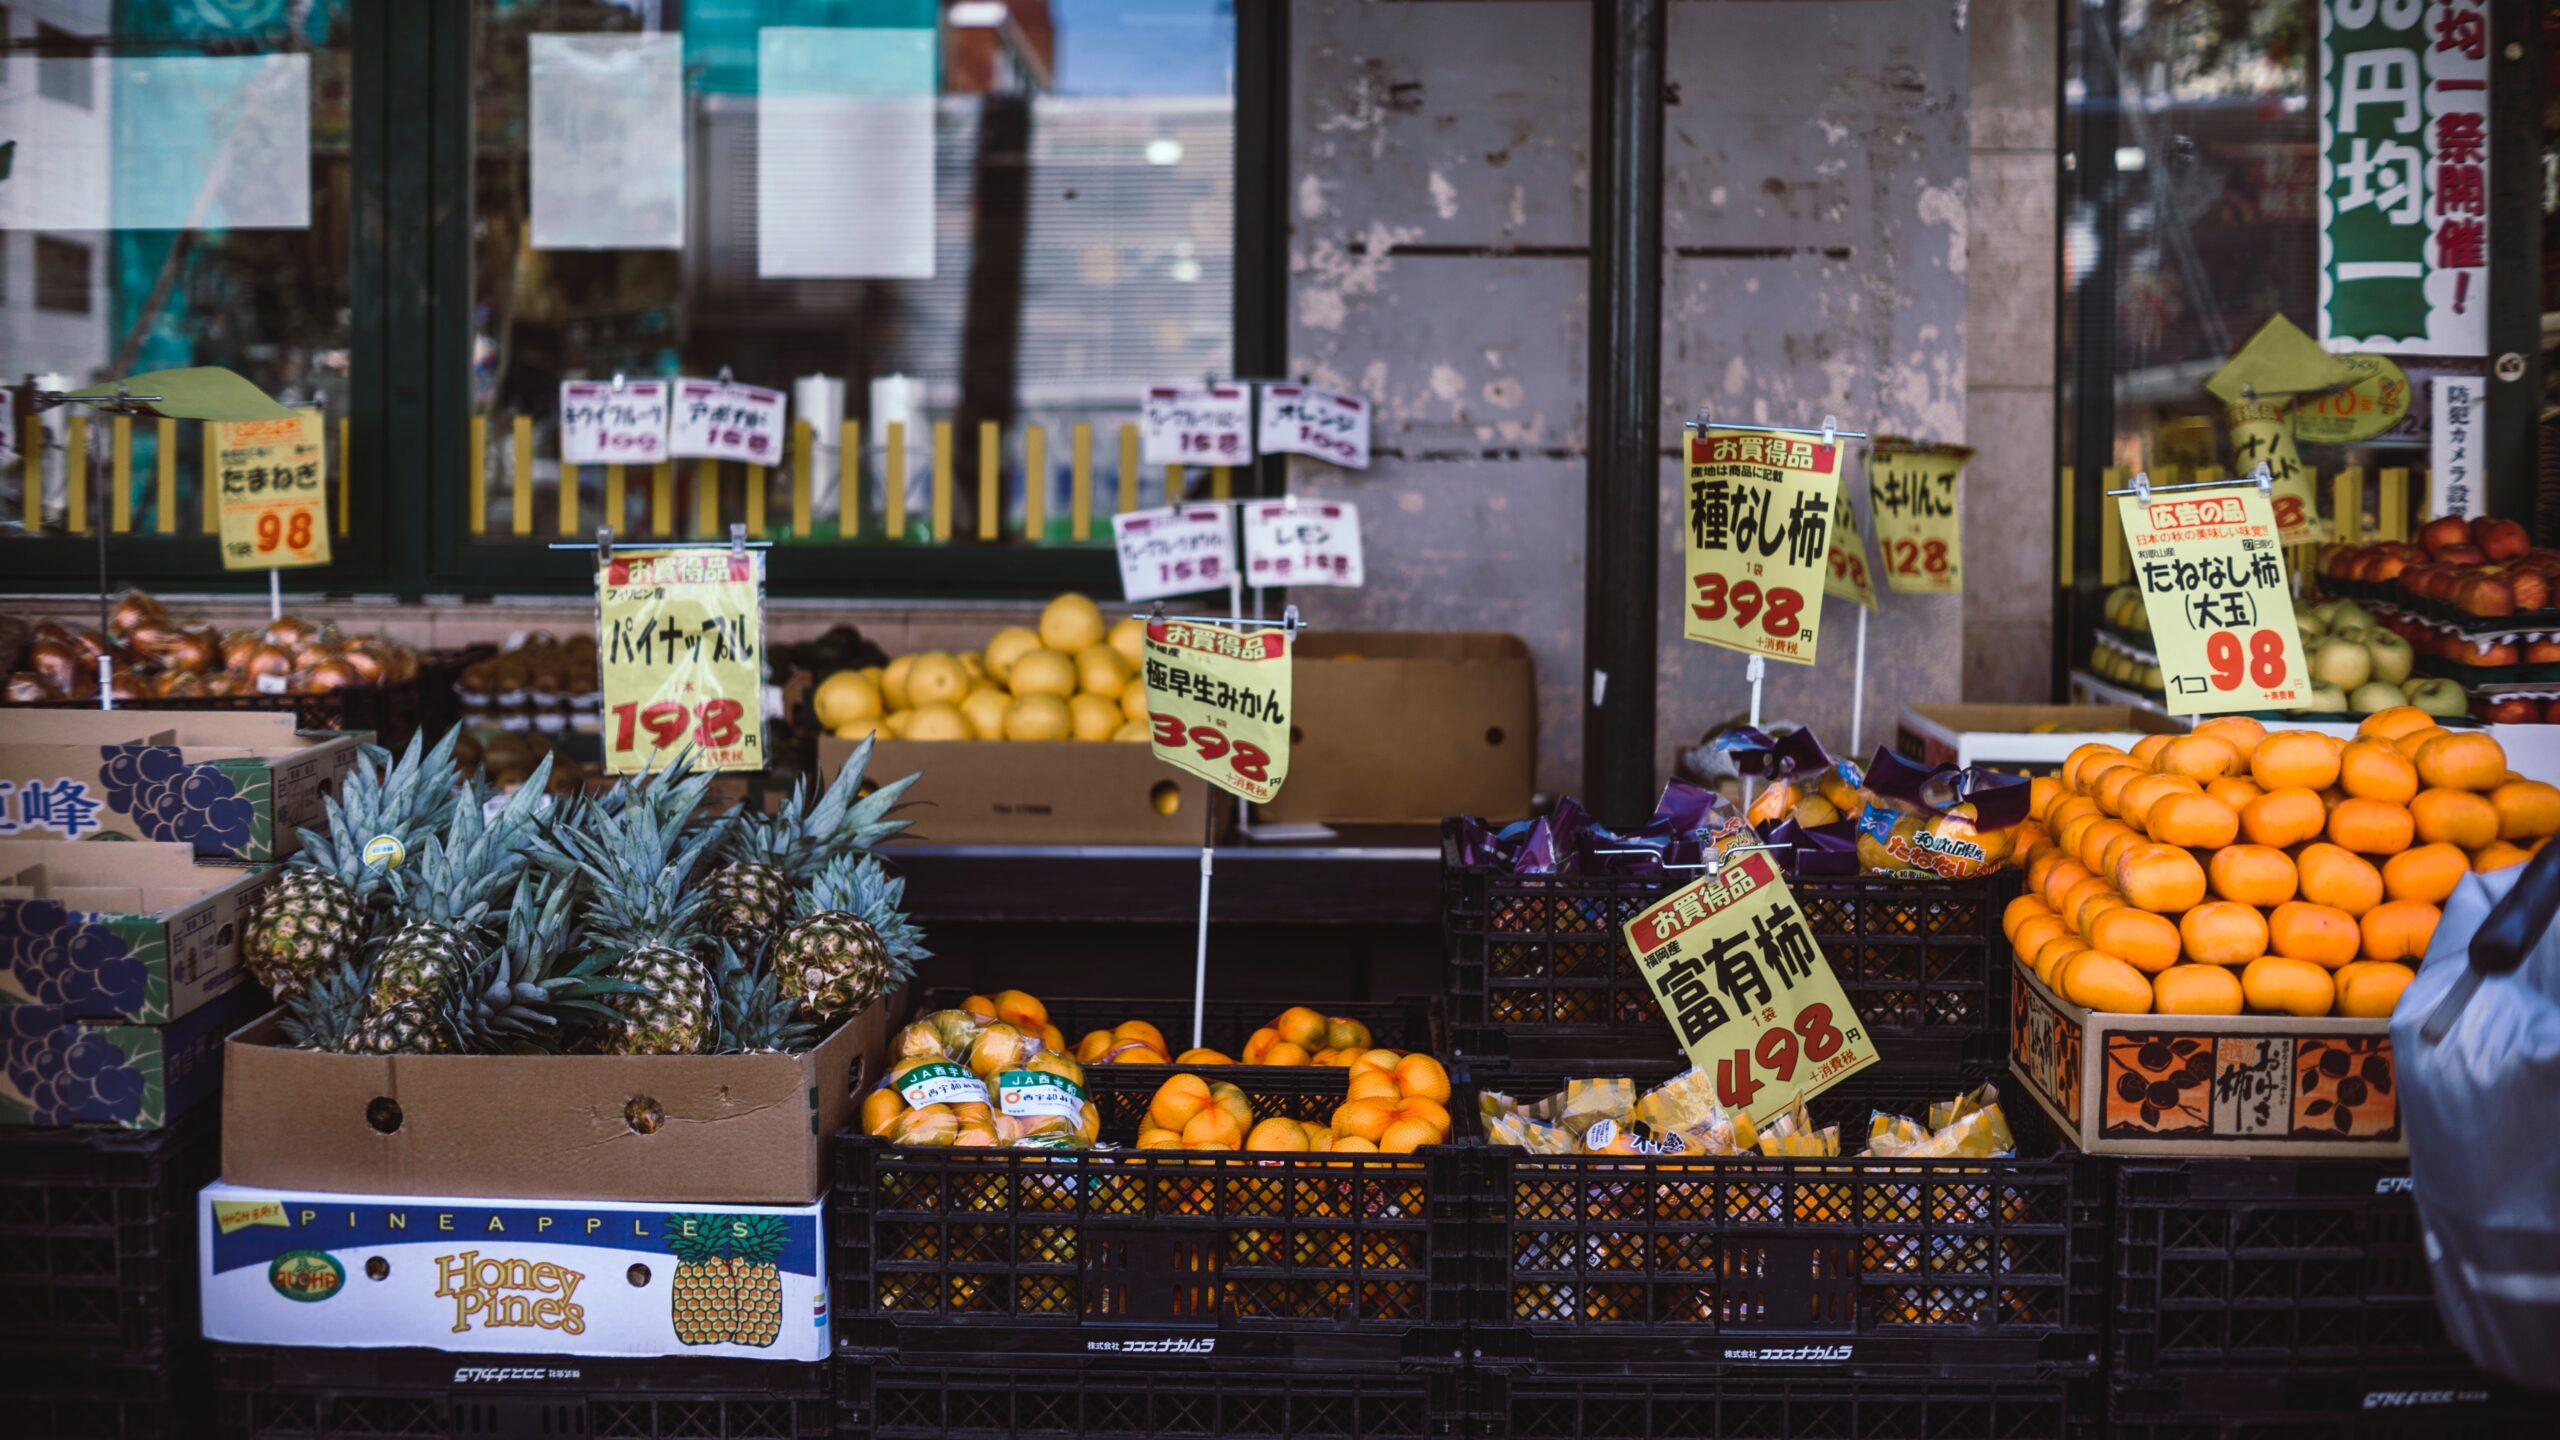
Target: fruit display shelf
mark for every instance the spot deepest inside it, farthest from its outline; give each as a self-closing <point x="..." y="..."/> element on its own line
<point x="268" y="1393"/>
<point x="1413" y="1022"/>
<point x="1848" y="1267"/>
<point x="1538" y="967"/>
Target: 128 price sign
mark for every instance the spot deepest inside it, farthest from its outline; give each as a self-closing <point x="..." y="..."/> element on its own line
<point x="1758" y="521"/>
<point x="1218" y="704"/>
<point x="1754" y="1002"/>
<point x="2211" y="568"/>
<point x="1912" y="486"/>
<point x="680" y="638"/>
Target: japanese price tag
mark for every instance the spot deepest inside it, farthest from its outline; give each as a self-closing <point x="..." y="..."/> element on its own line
<point x="2374" y="403"/>
<point x="1218" y="699"/>
<point x="1174" y="550"/>
<point x="1301" y="543"/>
<point x="1911" y="487"/>
<point x="2211" y="567"/>
<point x="1848" y="576"/>
<point x="1752" y="997"/>
<point x="273" y="485"/>
<point x="680" y="634"/>
<point x="2262" y="434"/>
<point x="1206" y="425"/>
<point x="724" y="420"/>
<point x="1759" y="522"/>
<point x="602" y="424"/>
<point x="1302" y="420"/>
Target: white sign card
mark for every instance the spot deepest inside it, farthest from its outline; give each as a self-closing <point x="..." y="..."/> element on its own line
<point x="1196" y="425"/>
<point x="844" y="152"/>
<point x="1302" y="542"/>
<point x="2457" y="429"/>
<point x="1174" y="550"/>
<point x="724" y="420"/>
<point x="1327" y="424"/>
<point x="608" y="120"/>
<point x="602" y="423"/>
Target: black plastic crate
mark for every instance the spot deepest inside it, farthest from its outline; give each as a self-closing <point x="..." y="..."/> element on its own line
<point x="1538" y="965"/>
<point x="1671" y="1405"/>
<point x="98" y="1240"/>
<point x="1112" y="1397"/>
<point x="269" y="1392"/>
<point x="143" y="1397"/>
<point x="2439" y="1404"/>
<point x="1071" y="1247"/>
<point x="1850" y="1266"/>
<point x="1413" y="1022"/>
<point x="2270" y="1263"/>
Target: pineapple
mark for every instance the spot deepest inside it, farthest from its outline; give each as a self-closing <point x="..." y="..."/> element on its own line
<point x="326" y="1013"/>
<point x="755" y="1016"/>
<point x="766" y="858"/>
<point x="444" y="897"/>
<point x="648" y="914"/>
<point x="320" y="908"/>
<point x="428" y="1026"/>
<point x="850" y="944"/>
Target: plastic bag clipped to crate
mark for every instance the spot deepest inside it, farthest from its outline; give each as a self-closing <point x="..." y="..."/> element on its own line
<point x="2477" y="1038"/>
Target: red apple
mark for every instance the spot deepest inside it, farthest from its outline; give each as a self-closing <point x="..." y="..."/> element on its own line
<point x="2531" y="587"/>
<point x="2463" y="554"/>
<point x="2486" y="595"/>
<point x="2386" y="566"/>
<point x="2502" y="653"/>
<point x="2500" y="539"/>
<point x="2551" y="712"/>
<point x="2444" y="531"/>
<point x="2361" y="566"/>
<point x="2512" y="711"/>
<point x="2542" y="652"/>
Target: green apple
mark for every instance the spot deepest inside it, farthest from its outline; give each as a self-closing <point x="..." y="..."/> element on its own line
<point x="2350" y="613"/>
<point x="2392" y="657"/>
<point x="2438" y="696"/>
<point x="2327" y="699"/>
<point x="2342" y="664"/>
<point x="2311" y="622"/>
<point x="2374" y="695"/>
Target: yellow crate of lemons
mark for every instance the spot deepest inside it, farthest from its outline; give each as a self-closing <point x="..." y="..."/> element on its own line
<point x="1074" y="677"/>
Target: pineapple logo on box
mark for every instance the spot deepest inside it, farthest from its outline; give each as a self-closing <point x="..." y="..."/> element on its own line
<point x="727" y="1287"/>
<point x="500" y="1292"/>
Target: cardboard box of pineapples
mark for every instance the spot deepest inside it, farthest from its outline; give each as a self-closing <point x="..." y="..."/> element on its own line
<point x="622" y="997"/>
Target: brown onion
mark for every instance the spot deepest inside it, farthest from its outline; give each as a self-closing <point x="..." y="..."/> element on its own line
<point x="134" y="611"/>
<point x="330" y="674"/>
<point x="24" y="688"/>
<point x="291" y="630"/>
<point x="193" y="653"/>
<point x="269" y="660"/>
<point x="54" y="663"/>
<point x="236" y="650"/>
<point x="177" y="684"/>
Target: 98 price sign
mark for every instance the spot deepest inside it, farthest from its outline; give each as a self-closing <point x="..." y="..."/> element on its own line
<point x="2211" y="567"/>
<point x="271" y="485"/>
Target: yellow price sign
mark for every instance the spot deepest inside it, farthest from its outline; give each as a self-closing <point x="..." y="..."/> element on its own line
<point x="1759" y="540"/>
<point x="2378" y="400"/>
<point x="1218" y="702"/>
<point x="2262" y="434"/>
<point x="1747" y="990"/>
<point x="680" y="641"/>
<point x="271" y="483"/>
<point x="1848" y="577"/>
<point x="1911" y="486"/>
<point x="2211" y="567"/>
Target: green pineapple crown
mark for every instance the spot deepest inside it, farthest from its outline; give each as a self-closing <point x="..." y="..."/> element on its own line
<point x="860" y="886"/>
<point x="528" y="1001"/>
<point x="402" y="799"/>
<point x="749" y="1239"/>
<point x="324" y="1014"/>
<point x="456" y="876"/>
<point x="635" y="851"/>
<point x="798" y="840"/>
<point x="755" y="1015"/>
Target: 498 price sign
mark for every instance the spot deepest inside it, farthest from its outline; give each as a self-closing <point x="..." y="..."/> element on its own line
<point x="1753" y="1000"/>
<point x="1218" y="703"/>
<point x="2211" y="568"/>
<point x="1759" y="538"/>
<point x="680" y="638"/>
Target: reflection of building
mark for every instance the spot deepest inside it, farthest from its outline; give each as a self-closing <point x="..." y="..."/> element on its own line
<point x="998" y="47"/>
<point x="54" y="310"/>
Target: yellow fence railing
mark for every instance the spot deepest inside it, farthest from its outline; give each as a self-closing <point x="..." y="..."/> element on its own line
<point x="145" y="493"/>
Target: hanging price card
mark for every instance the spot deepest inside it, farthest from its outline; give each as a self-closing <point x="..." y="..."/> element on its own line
<point x="1848" y="576"/>
<point x="1302" y="543"/>
<point x="606" y="424"/>
<point x="1759" y="508"/>
<point x="1174" y="550"/>
<point x="2262" y="434"/>
<point x="2378" y="400"/>
<point x="273" y="485"/>
<point x="1911" y="486"/>
<point x="1218" y="699"/>
<point x="680" y="637"/>
<point x="1303" y="420"/>
<point x="1755" y="1003"/>
<point x="1204" y="425"/>
<point x="2211" y="568"/>
<point x="723" y="420"/>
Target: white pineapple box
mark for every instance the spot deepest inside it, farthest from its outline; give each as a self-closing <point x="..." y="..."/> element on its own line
<point x="534" y="1277"/>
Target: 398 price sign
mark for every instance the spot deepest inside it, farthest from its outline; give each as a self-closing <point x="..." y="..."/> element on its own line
<point x="1758" y="538"/>
<point x="1218" y="702"/>
<point x="680" y="641"/>
<point x="1750" y="994"/>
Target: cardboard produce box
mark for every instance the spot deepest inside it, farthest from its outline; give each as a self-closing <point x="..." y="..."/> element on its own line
<point x="2005" y="737"/>
<point x="135" y="932"/>
<point x="57" y="1070"/>
<point x="1034" y="792"/>
<point x="712" y="1129"/>
<point x="563" y="1277"/>
<point x="234" y="786"/>
<point x="2205" y="1084"/>
<point x="1404" y="727"/>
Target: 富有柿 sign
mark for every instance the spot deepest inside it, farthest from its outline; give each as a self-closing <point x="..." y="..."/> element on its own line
<point x="2404" y="175"/>
<point x="680" y="644"/>
<point x="1758" y="539"/>
<point x="2210" y="564"/>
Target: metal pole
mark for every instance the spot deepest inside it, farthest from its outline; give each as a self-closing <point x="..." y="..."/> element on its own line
<point x="1622" y="508"/>
<point x="2516" y="107"/>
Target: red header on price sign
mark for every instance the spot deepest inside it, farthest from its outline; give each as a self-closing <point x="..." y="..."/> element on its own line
<point x="1218" y="699"/>
<point x="1747" y="990"/>
<point x="2211" y="568"/>
<point x="680" y="641"/>
<point x="1759" y="537"/>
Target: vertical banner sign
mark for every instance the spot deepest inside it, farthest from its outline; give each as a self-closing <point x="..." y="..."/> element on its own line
<point x="1911" y="486"/>
<point x="2262" y="434"/>
<point x="1302" y="542"/>
<point x="2404" y="175"/>
<point x="724" y="420"/>
<point x="1176" y="550"/>
<point x="1303" y="420"/>
<point x="680" y="634"/>
<point x="602" y="423"/>
<point x="1848" y="577"/>
<point x="2453" y="443"/>
<point x="1203" y="425"/>
<point x="273" y="485"/>
<point x="2211" y="568"/>
<point x="1759" y="521"/>
<point x="1218" y="701"/>
<point x="1735" y="967"/>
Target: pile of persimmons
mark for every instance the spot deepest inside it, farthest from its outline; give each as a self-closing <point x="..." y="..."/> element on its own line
<point x="2284" y="872"/>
